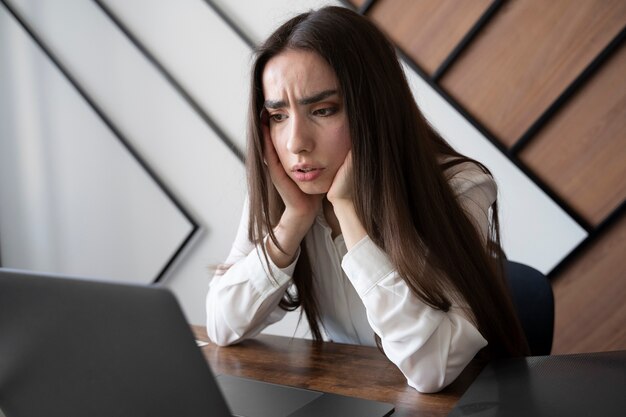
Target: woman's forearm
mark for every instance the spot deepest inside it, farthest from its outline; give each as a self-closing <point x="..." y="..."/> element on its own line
<point x="289" y="233"/>
<point x="351" y="227"/>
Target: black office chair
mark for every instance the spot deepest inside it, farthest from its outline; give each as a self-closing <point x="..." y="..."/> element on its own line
<point x="534" y="301"/>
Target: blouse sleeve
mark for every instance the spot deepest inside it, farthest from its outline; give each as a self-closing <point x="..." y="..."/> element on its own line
<point x="431" y="347"/>
<point x="476" y="191"/>
<point x="244" y="300"/>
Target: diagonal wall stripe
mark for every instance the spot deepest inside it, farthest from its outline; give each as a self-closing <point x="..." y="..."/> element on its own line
<point x="596" y="234"/>
<point x="244" y="37"/>
<point x="117" y="133"/>
<point x="498" y="144"/>
<point x="467" y="39"/>
<point x="366" y="6"/>
<point x="172" y="80"/>
<point x="569" y="92"/>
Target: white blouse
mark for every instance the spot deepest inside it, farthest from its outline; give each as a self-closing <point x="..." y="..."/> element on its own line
<point x="359" y="293"/>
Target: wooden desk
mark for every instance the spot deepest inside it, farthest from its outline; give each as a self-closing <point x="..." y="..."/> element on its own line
<point x="356" y="371"/>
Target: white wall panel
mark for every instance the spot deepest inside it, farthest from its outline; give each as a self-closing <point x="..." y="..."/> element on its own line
<point x="72" y="199"/>
<point x="201" y="51"/>
<point x="205" y="175"/>
<point x="258" y="19"/>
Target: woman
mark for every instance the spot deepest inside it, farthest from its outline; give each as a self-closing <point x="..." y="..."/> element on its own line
<point x="360" y="213"/>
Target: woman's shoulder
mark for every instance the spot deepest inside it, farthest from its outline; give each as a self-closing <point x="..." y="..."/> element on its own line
<point x="453" y="166"/>
<point x="467" y="176"/>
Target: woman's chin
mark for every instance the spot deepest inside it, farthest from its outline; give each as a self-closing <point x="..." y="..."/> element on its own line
<point x="313" y="189"/>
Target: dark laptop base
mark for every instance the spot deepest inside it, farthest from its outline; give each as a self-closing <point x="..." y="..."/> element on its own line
<point x="251" y="398"/>
<point x="589" y="384"/>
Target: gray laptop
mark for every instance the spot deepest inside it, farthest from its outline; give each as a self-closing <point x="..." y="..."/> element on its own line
<point x="586" y="384"/>
<point x="72" y="347"/>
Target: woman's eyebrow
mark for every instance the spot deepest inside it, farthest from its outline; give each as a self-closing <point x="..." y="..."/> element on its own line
<point x="274" y="104"/>
<point x="317" y="97"/>
<point x="277" y="104"/>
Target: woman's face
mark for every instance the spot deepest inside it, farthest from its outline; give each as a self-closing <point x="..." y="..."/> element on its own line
<point x="307" y="119"/>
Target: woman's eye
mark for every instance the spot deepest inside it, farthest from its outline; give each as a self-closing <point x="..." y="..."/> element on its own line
<point x="326" y="111"/>
<point x="278" y="117"/>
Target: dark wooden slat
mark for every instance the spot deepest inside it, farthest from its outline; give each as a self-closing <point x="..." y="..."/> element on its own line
<point x="527" y="56"/>
<point x="590" y="294"/>
<point x="581" y="152"/>
<point x="428" y="30"/>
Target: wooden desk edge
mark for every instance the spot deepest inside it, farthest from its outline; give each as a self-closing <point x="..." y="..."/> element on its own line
<point x="332" y="367"/>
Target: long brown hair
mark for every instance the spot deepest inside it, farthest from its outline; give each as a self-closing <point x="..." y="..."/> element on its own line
<point x="415" y="215"/>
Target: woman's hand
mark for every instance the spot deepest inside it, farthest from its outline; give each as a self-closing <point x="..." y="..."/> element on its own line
<point x="340" y="196"/>
<point x="341" y="188"/>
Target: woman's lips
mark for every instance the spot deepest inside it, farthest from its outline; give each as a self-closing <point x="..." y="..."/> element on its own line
<point x="306" y="173"/>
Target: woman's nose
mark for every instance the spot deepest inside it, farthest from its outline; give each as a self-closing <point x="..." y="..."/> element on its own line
<point x="301" y="137"/>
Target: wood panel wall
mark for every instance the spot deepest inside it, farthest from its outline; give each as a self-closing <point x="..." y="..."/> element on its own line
<point x="547" y="81"/>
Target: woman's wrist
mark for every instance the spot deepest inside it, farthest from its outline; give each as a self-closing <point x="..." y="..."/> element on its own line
<point x="289" y="233"/>
<point x="345" y="205"/>
<point x="351" y="227"/>
<point x="279" y="258"/>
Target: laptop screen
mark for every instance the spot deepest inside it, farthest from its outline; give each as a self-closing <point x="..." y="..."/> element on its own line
<point x="70" y="347"/>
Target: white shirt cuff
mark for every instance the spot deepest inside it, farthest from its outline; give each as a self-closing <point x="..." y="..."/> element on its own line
<point x="276" y="276"/>
<point x="366" y="265"/>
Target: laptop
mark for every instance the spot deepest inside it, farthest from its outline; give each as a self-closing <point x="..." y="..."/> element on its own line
<point x="76" y="347"/>
<point x="586" y="384"/>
